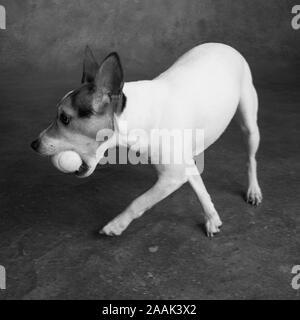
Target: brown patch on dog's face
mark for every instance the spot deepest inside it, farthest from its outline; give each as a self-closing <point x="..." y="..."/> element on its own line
<point x="82" y="113"/>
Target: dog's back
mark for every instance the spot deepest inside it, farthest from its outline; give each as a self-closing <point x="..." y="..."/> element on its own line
<point x="204" y="88"/>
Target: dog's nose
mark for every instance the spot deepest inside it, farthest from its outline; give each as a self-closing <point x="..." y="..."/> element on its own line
<point x="35" y="144"/>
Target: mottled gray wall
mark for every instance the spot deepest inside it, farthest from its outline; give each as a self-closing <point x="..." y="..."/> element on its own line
<point x="148" y="34"/>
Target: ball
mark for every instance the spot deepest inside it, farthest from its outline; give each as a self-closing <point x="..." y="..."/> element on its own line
<point x="67" y="161"/>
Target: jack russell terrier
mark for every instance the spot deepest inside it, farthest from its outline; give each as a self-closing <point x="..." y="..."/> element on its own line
<point x="203" y="89"/>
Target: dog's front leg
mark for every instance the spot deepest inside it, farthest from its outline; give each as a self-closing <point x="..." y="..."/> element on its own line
<point x="169" y="180"/>
<point x="212" y="219"/>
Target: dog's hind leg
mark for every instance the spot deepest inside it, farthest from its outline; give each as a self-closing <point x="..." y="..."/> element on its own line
<point x="247" y="119"/>
<point x="170" y="179"/>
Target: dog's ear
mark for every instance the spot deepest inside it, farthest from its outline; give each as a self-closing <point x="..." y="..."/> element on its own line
<point x="109" y="79"/>
<point x="90" y="66"/>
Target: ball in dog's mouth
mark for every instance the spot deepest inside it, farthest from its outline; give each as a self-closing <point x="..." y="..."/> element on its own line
<point x="67" y="161"/>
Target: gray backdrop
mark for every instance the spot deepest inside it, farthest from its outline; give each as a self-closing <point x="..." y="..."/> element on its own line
<point x="45" y="35"/>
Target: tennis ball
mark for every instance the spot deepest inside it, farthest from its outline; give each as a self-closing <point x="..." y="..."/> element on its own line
<point x="67" y="161"/>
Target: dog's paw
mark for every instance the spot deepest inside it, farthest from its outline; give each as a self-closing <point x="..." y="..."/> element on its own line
<point x="115" y="227"/>
<point x="213" y="226"/>
<point x="254" y="195"/>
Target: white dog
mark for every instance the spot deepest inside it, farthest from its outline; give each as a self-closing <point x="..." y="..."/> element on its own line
<point x="204" y="89"/>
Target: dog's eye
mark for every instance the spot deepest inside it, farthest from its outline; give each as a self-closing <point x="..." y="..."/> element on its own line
<point x="64" y="119"/>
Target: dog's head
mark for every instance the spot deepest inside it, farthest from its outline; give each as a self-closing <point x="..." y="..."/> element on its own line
<point x="83" y="112"/>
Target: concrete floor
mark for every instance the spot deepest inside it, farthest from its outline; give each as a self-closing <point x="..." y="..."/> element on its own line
<point x="49" y="221"/>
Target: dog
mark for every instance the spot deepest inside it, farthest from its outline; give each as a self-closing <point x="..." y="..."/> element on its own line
<point x="205" y="88"/>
